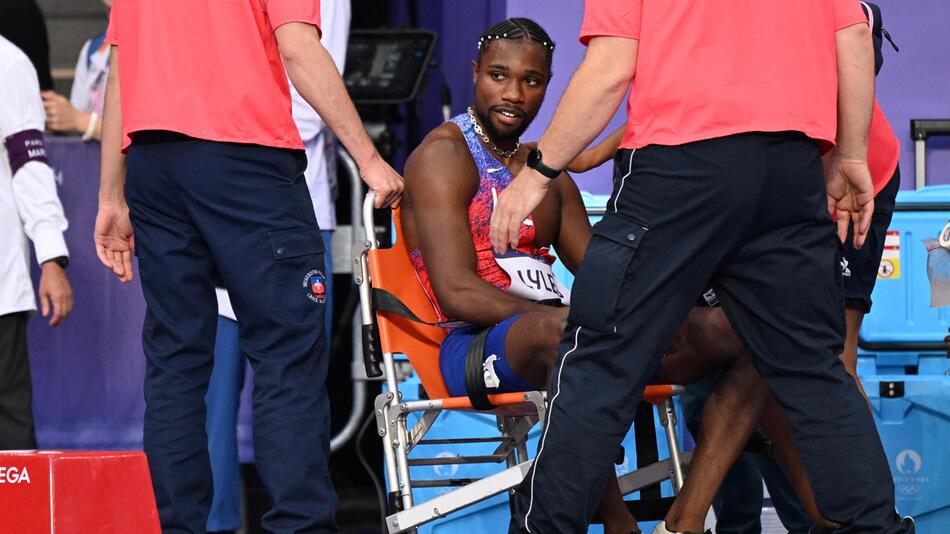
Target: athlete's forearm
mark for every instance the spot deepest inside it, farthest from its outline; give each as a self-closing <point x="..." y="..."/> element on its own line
<point x="112" y="177"/>
<point x="593" y="95"/>
<point x="475" y="301"/>
<point x="598" y="154"/>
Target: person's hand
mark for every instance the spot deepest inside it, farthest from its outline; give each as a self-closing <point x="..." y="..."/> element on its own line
<point x="850" y="196"/>
<point x="513" y="206"/>
<point x="115" y="241"/>
<point x="384" y="181"/>
<point x="61" y="116"/>
<point x="56" y="295"/>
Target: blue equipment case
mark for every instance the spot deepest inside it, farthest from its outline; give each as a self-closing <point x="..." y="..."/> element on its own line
<point x="901" y="319"/>
<point x="902" y="359"/>
<point x="913" y="419"/>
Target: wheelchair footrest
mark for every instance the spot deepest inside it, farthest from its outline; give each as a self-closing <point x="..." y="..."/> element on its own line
<point x="457" y="441"/>
<point x="443" y="482"/>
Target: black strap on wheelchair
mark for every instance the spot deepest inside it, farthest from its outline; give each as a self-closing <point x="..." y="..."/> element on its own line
<point x="475" y="372"/>
<point x="645" y="433"/>
<point x="385" y="301"/>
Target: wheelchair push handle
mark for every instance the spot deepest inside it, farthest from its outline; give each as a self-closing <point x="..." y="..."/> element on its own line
<point x="372" y="357"/>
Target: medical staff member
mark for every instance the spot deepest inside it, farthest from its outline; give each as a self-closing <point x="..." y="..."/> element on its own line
<point x="719" y="178"/>
<point x="198" y="100"/>
<point x="29" y="211"/>
<point x="227" y="377"/>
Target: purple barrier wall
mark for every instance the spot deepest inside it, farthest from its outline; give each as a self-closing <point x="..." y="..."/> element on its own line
<point x="915" y="83"/>
<point x="87" y="373"/>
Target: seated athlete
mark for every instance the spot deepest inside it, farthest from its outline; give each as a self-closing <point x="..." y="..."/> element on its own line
<point x="452" y="179"/>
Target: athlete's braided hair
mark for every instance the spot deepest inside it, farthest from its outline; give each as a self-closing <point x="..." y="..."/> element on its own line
<point x="519" y="29"/>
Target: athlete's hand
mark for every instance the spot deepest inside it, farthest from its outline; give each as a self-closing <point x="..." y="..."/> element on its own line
<point x="850" y="196"/>
<point x="115" y="240"/>
<point x="514" y="204"/>
<point x="383" y="180"/>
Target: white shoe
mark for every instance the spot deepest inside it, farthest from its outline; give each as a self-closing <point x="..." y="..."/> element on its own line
<point x="661" y="529"/>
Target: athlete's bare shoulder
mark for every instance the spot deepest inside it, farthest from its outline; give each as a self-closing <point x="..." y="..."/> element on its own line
<point x="442" y="155"/>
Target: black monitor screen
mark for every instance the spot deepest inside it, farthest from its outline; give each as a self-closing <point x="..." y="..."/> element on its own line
<point x="386" y="66"/>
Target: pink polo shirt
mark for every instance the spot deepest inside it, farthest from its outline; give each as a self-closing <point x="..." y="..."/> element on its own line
<point x="884" y="150"/>
<point x="209" y="70"/>
<point x="712" y="68"/>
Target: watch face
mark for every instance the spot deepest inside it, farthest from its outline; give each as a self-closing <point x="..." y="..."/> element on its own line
<point x="534" y="157"/>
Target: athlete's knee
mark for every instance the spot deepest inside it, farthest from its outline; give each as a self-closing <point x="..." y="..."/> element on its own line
<point x="710" y="329"/>
<point x="552" y="325"/>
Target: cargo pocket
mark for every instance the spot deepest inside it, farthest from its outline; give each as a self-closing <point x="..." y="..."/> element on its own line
<point x="601" y="274"/>
<point x="296" y="242"/>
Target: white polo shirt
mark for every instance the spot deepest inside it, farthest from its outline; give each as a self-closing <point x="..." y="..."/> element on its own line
<point x="30" y="210"/>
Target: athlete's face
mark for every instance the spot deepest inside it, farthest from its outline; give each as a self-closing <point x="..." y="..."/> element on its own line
<point x="510" y="82"/>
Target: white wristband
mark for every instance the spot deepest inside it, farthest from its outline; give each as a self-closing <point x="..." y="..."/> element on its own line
<point x="91" y="127"/>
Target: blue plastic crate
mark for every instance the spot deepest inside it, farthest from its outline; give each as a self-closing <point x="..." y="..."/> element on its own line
<point x="492" y="515"/>
<point x="902" y="314"/>
<point x="912" y="414"/>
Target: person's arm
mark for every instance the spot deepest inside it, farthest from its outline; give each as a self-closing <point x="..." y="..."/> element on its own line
<point x="41" y="214"/>
<point x="113" y="234"/>
<point x="314" y="75"/>
<point x="850" y="189"/>
<point x="61" y="116"/>
<point x="33" y="186"/>
<point x="574" y="230"/>
<point x="441" y="181"/>
<point x="598" y="154"/>
<point x="590" y="101"/>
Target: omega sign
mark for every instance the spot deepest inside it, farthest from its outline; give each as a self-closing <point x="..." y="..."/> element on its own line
<point x="14" y="475"/>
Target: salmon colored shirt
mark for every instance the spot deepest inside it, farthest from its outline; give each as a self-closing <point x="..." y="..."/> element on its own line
<point x="712" y="68"/>
<point x="206" y="69"/>
<point x="884" y="150"/>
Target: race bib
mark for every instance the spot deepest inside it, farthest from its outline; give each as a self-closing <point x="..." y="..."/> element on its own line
<point x="532" y="278"/>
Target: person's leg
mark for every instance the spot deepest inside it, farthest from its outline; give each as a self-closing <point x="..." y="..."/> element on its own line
<point x="783" y="495"/>
<point x="176" y="271"/>
<point x="738" y="503"/>
<point x="529" y="350"/>
<point x="222" y="400"/>
<point x="256" y="209"/>
<point x="859" y="267"/>
<point x="706" y="339"/>
<point x="729" y="416"/>
<point x="16" y="391"/>
<point x="667" y="227"/>
<point x="782" y="293"/>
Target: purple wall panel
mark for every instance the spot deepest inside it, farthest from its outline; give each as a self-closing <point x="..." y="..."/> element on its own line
<point x="562" y="20"/>
<point x="915" y="83"/>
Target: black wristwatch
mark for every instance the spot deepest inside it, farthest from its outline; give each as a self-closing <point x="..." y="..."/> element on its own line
<point x="62" y="261"/>
<point x="534" y="162"/>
